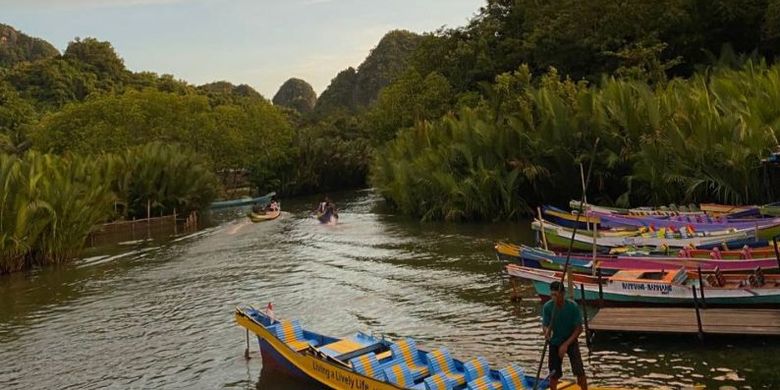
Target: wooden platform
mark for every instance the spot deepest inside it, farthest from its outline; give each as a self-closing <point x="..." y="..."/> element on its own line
<point x="683" y="320"/>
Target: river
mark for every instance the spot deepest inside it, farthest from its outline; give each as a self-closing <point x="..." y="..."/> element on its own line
<point x="159" y="314"/>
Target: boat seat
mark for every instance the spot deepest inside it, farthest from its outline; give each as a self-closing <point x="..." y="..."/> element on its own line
<point x="406" y="350"/>
<point x="368" y="365"/>
<point x="400" y="376"/>
<point x="439" y="382"/>
<point x="484" y="383"/>
<point x="513" y="378"/>
<point x="291" y="333"/>
<point x="440" y="361"/>
<point x="476" y="368"/>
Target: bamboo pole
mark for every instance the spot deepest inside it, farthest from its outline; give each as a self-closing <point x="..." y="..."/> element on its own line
<point x="568" y="258"/>
<point x="541" y="224"/>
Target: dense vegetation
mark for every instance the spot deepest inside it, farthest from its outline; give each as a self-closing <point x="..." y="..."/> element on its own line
<point x="51" y="203"/>
<point x="682" y="113"/>
<point x="696" y="139"/>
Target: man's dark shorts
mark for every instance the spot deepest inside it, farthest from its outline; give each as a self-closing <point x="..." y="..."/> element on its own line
<point x="575" y="358"/>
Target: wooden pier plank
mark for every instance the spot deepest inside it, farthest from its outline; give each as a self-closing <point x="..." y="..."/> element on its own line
<point x="683" y="320"/>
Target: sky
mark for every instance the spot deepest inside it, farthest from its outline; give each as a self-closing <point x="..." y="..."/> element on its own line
<point x="261" y="43"/>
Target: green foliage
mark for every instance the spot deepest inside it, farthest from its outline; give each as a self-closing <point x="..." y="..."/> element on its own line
<point x="230" y="135"/>
<point x="52" y="83"/>
<point x="164" y="177"/>
<point x="50" y="204"/>
<point x="297" y="95"/>
<point x="98" y="58"/>
<point x="695" y="140"/>
<point x="16" y="47"/>
<point x="48" y="207"/>
<point x="332" y="154"/>
<point x="339" y="97"/>
<point x="411" y="99"/>
<point x="223" y="92"/>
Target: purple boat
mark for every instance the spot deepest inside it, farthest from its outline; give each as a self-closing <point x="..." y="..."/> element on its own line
<point x="541" y="258"/>
<point x="767" y="228"/>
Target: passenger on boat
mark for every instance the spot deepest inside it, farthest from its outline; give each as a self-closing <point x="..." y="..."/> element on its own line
<point x="323" y="205"/>
<point x="258" y="209"/>
<point x="274" y="205"/>
<point x="562" y="322"/>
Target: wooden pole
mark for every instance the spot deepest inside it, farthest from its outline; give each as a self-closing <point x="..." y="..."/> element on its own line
<point x="246" y="351"/>
<point x="777" y="250"/>
<point x="601" y="289"/>
<point x="582" y="178"/>
<point x="698" y="315"/>
<point x="584" y="315"/>
<point x="701" y="287"/>
<point x="148" y="218"/>
<point x="568" y="256"/>
<point x="595" y="237"/>
<point x="541" y="225"/>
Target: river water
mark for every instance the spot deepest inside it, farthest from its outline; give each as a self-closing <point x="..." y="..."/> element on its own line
<point x="159" y="314"/>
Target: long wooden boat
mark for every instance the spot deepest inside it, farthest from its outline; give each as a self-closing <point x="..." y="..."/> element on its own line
<point x="639" y="211"/>
<point x="571" y="219"/>
<point x="712" y="209"/>
<point x="765" y="228"/>
<point x="267" y="216"/>
<point x="559" y="237"/>
<point x="243" y="201"/>
<point x="663" y="287"/>
<point x="365" y="362"/>
<point x="609" y="265"/>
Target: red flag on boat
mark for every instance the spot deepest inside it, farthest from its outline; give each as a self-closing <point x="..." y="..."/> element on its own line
<point x="269" y="311"/>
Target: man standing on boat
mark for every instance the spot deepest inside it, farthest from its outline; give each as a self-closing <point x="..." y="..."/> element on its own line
<point x="562" y="322"/>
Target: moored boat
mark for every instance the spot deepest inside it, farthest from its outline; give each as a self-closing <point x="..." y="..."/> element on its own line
<point x="663" y="287"/>
<point x="611" y="264"/>
<point x="560" y="236"/>
<point x="243" y="201"/>
<point x="366" y="362"/>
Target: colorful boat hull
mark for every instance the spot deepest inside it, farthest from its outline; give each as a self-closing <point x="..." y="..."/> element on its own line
<point x="315" y="364"/>
<point x="624" y="291"/>
<point x="559" y="237"/>
<point x="582" y="263"/>
<point x="269" y="216"/>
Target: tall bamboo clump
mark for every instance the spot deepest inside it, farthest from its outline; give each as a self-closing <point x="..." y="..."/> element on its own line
<point x="691" y="140"/>
<point x="48" y="206"/>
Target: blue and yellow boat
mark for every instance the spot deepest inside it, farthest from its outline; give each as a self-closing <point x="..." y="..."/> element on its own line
<point x="365" y="362"/>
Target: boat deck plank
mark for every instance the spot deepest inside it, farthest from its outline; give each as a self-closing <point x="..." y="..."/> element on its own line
<point x="683" y="320"/>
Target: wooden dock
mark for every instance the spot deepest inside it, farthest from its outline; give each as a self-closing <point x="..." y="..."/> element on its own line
<point x="764" y="322"/>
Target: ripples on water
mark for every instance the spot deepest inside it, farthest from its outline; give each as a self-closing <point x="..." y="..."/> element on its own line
<point x="160" y="315"/>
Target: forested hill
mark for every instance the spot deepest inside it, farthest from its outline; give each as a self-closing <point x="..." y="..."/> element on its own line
<point x="353" y="89"/>
<point x="16" y="47"/>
